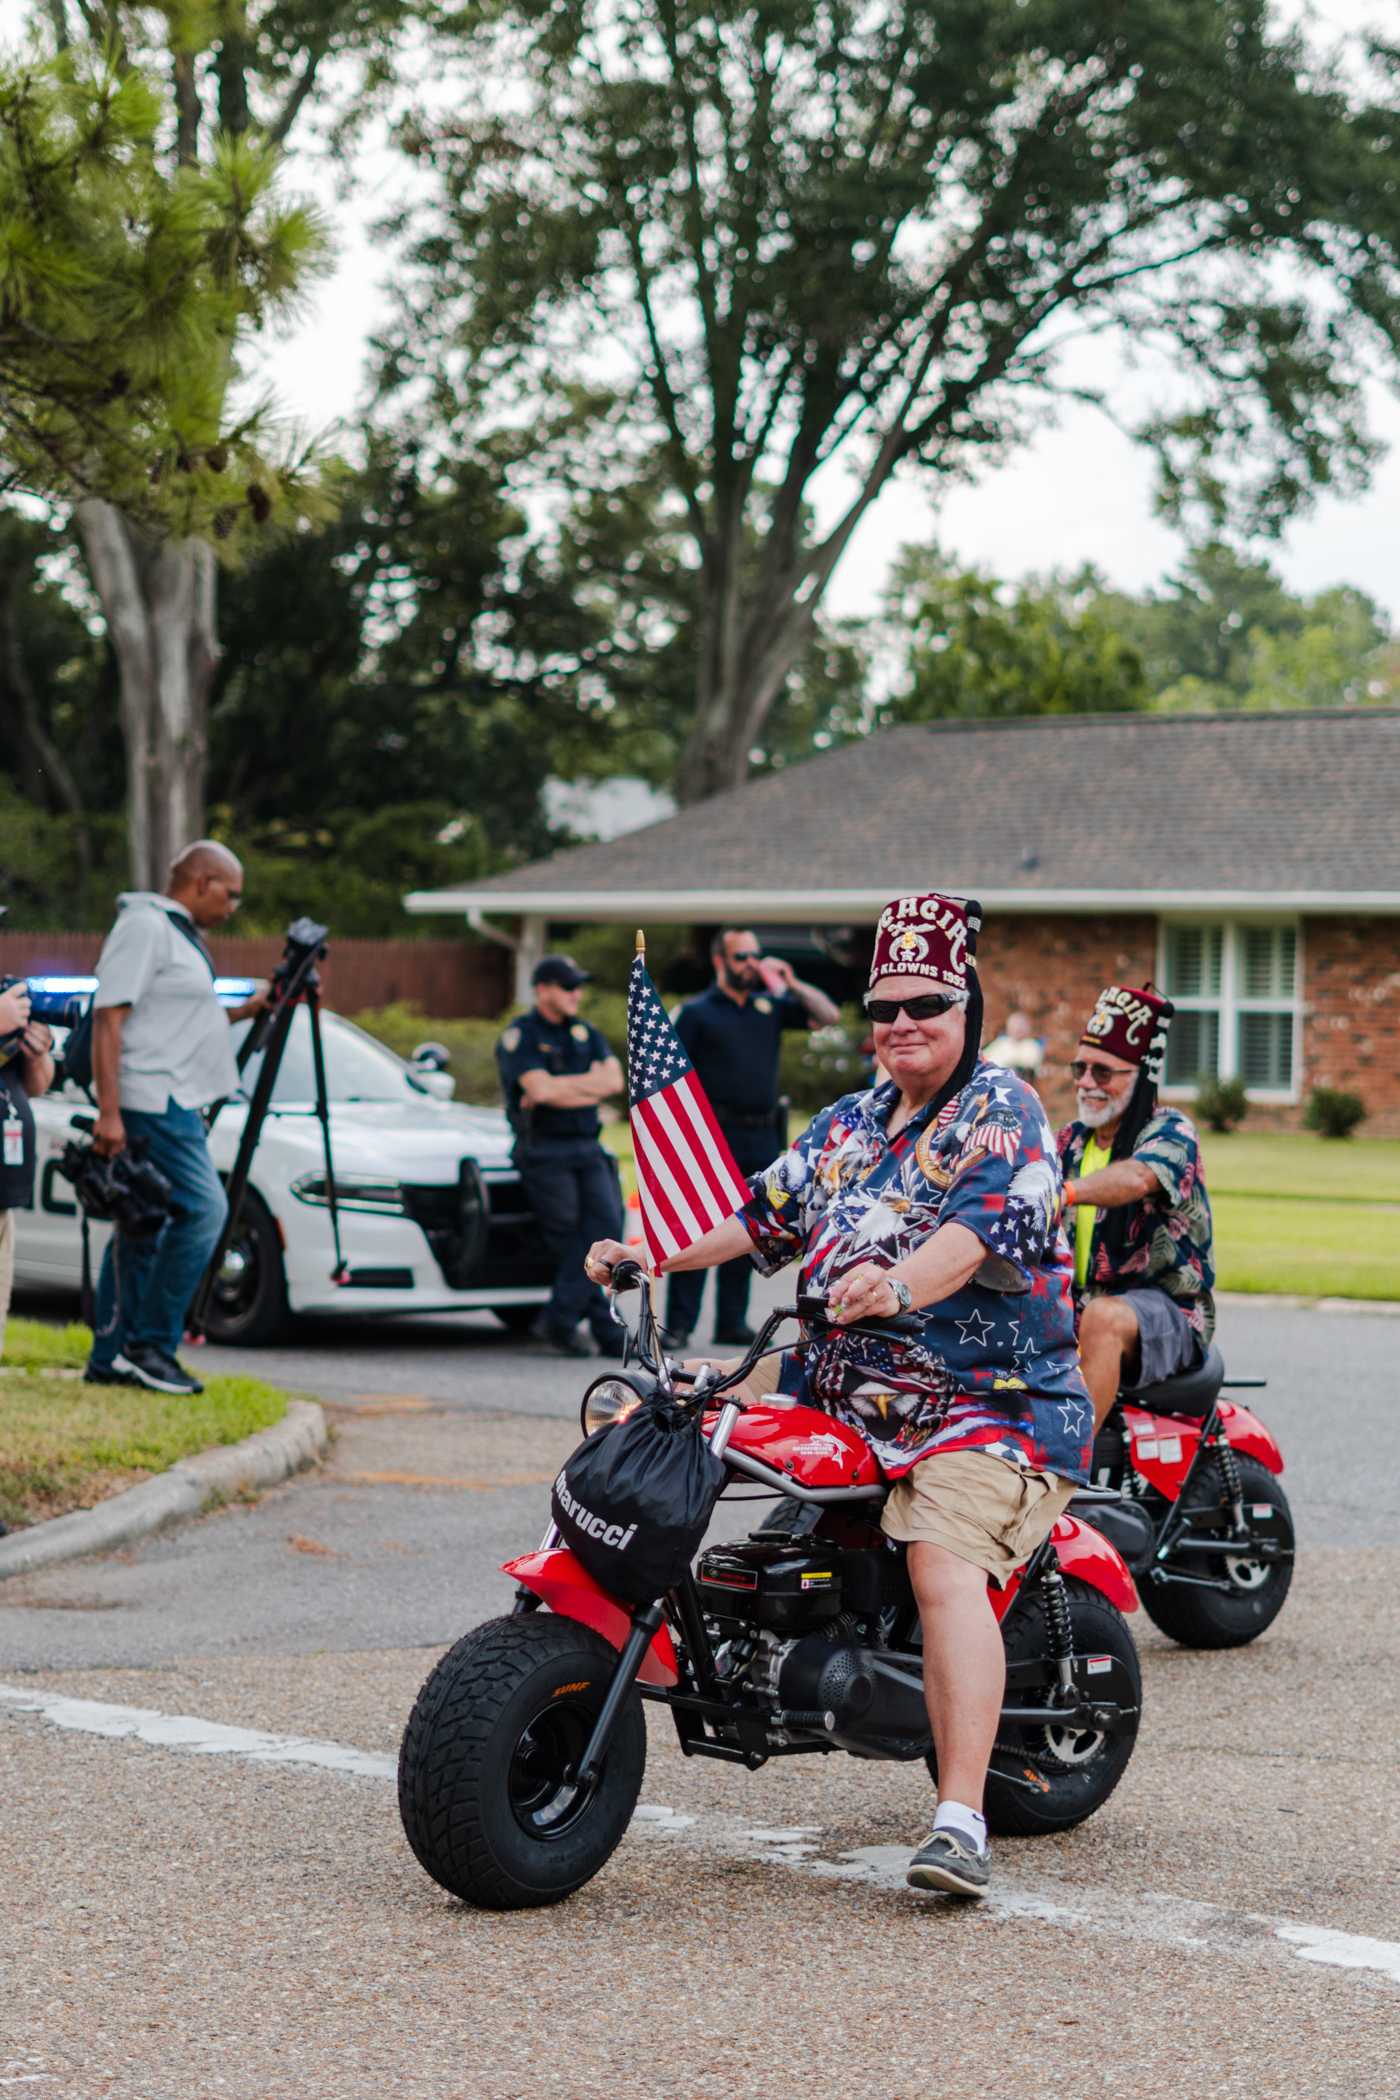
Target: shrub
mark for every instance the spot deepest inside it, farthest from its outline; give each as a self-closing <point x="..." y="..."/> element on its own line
<point x="1332" y="1112"/>
<point x="1222" y="1103"/>
<point x="819" y="1067"/>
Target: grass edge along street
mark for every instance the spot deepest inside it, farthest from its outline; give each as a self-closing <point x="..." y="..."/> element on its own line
<point x="67" y="1445"/>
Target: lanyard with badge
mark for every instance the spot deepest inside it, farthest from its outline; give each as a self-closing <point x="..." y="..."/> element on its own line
<point x="14" y="1136"/>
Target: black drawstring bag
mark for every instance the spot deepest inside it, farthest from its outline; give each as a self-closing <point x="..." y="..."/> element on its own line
<point x="635" y="1498"/>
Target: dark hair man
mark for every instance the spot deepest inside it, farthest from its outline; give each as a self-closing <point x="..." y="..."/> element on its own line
<point x="1136" y="1205"/>
<point x="555" y="1069"/>
<point x="160" y="1054"/>
<point x="732" y="1034"/>
<point x="26" y="1069"/>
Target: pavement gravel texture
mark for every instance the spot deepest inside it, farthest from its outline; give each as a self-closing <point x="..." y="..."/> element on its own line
<point x="178" y="1924"/>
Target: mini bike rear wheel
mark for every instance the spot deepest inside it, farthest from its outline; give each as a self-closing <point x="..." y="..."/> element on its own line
<point x="484" y="1792"/>
<point x="1251" y="1591"/>
<point x="1044" y="1779"/>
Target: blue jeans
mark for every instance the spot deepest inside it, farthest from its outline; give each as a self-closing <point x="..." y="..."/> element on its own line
<point x="146" y="1285"/>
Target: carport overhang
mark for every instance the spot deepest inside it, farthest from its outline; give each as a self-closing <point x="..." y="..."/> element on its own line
<point x="533" y="909"/>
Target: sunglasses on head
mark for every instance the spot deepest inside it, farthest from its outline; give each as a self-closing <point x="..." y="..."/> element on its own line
<point x="1102" y="1075"/>
<point x="927" y="1007"/>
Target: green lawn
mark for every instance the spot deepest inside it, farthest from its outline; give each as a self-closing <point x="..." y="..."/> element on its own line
<point x="65" y="1445"/>
<point x="1294" y="1164"/>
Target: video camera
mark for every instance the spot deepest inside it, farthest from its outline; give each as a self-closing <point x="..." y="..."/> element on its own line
<point x="125" y="1190"/>
<point x="59" y="1001"/>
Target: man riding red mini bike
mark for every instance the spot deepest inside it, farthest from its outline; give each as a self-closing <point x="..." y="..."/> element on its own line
<point x="938" y="1352"/>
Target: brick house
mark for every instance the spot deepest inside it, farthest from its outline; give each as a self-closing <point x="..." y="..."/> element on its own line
<point x="1248" y="863"/>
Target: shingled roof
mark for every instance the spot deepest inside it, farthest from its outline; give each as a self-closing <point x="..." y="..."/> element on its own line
<point x="1085" y="813"/>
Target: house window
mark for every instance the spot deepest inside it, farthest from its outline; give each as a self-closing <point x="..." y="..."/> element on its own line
<point x="1236" y="990"/>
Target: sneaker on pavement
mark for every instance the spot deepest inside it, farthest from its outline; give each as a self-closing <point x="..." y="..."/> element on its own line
<point x="675" y="1340"/>
<point x="151" y="1367"/>
<point x="948" y="1860"/>
<point x="105" y="1374"/>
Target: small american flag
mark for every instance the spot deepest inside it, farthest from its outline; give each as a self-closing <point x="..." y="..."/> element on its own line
<point x="685" y="1171"/>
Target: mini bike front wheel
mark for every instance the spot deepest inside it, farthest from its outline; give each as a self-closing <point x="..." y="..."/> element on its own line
<point x="484" y="1793"/>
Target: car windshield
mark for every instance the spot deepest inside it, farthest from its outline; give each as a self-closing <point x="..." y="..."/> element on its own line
<point x="357" y="1068"/>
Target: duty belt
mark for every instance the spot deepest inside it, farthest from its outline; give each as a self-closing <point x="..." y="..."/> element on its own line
<point x="745" y="1119"/>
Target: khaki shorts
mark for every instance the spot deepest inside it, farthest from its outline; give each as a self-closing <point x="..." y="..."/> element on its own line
<point x="983" y="1509"/>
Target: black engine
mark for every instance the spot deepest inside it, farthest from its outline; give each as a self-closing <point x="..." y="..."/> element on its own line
<point x="799" y="1625"/>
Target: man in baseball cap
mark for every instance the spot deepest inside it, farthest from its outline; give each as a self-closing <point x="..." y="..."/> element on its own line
<point x="1136" y="1205"/>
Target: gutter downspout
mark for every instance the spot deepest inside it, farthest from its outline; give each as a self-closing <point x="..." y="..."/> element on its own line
<point x="526" y="948"/>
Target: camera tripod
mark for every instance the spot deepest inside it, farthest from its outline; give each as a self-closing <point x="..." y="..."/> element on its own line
<point x="295" y="981"/>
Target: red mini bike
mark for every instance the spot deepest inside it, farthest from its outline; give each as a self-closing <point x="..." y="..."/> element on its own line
<point x="523" y="1758"/>
<point x="1204" y="1472"/>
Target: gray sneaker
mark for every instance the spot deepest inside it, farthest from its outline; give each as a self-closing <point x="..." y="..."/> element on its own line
<point x="948" y="1860"/>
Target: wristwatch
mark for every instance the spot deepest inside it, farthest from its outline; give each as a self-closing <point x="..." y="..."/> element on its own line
<point x="903" y="1295"/>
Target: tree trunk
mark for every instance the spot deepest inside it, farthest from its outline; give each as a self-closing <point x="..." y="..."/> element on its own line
<point x="158" y="597"/>
<point x="736" y="685"/>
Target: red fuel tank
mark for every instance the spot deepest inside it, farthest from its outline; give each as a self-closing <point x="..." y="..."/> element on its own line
<point x="812" y="1448"/>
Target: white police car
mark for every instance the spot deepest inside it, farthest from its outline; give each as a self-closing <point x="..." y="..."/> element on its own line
<point x="433" y="1217"/>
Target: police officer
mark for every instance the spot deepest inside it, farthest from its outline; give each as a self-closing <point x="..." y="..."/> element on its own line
<point x="732" y="1033"/>
<point x="555" y="1069"/>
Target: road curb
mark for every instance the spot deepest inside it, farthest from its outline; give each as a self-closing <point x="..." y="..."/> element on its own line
<point x="1291" y="1301"/>
<point x="190" y="1485"/>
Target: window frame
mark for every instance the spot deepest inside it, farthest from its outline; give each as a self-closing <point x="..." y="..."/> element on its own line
<point x="1231" y="1002"/>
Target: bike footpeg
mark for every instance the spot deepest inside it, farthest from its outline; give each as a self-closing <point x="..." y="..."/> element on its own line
<point x="805" y="1717"/>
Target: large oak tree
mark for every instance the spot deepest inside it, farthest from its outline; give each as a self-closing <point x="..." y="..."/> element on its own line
<point x="764" y="238"/>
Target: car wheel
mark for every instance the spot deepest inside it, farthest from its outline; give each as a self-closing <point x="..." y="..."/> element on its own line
<point x="249" y="1300"/>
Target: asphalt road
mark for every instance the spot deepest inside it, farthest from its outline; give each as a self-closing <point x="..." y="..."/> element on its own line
<point x="204" y="1902"/>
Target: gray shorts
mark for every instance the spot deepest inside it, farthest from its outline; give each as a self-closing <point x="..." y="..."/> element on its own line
<point x="1167" y="1342"/>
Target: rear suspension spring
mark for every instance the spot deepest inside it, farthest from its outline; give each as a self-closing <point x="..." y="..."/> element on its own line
<point x="1059" y="1626"/>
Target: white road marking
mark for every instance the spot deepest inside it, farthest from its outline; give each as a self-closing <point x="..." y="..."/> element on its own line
<point x="202" y="1738"/>
<point x="1164" y="1920"/>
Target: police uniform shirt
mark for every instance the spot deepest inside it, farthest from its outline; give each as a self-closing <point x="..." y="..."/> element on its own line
<point x="734" y="1048"/>
<point x="16" y="1179"/>
<point x="563" y="1049"/>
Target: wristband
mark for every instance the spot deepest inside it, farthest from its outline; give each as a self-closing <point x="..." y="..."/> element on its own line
<point x="1071" y="1196"/>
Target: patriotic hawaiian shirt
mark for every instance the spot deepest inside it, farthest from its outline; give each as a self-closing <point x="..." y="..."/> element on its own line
<point x="996" y="1367"/>
<point x="1169" y="1238"/>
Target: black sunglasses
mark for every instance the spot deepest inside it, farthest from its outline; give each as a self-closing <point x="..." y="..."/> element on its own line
<point x="927" y="1007"/>
<point x="1102" y="1075"/>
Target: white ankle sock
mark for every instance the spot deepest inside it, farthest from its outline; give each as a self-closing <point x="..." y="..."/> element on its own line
<point x="951" y="1815"/>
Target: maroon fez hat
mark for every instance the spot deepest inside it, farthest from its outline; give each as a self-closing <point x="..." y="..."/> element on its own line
<point x="928" y="936"/>
<point x="1130" y="1021"/>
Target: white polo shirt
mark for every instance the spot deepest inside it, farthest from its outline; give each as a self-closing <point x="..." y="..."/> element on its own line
<point x="175" y="1045"/>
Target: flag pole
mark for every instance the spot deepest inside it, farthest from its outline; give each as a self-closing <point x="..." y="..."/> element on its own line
<point x="650" y="1283"/>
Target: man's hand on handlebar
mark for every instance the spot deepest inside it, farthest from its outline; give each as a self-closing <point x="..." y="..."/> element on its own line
<point x="865" y="1294"/>
<point x="603" y="1257"/>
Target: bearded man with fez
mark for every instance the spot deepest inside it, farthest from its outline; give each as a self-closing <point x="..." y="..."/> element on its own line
<point x="1136" y="1206"/>
<point x="936" y="1192"/>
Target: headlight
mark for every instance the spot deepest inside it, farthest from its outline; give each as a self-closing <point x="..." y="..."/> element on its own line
<point x="609" y="1400"/>
<point x="360" y="1192"/>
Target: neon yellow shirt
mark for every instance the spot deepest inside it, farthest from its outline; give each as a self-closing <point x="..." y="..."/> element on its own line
<point x="1085" y="1215"/>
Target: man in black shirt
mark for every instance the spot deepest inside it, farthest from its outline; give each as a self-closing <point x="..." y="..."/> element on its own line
<point x="26" y="1069"/>
<point x="555" y="1069"/>
<point x="732" y="1034"/>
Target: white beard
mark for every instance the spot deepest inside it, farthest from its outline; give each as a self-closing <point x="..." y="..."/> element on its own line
<point x="1095" y="1118"/>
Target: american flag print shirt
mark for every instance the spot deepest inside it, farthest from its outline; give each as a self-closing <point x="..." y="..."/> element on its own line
<point x="996" y="1367"/>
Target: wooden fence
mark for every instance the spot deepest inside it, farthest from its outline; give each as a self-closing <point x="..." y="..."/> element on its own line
<point x="448" y="980"/>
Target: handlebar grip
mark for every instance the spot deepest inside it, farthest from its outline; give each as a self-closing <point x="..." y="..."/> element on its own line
<point x="811" y="1307"/>
<point x="626" y="1276"/>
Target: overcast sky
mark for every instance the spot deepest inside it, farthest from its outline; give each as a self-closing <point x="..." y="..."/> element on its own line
<point x="1080" y="493"/>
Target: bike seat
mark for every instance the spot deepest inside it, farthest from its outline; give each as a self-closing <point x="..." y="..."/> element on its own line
<point x="1189" y="1393"/>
